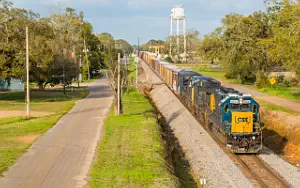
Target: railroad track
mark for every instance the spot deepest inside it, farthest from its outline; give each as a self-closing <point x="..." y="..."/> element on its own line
<point x="264" y="175"/>
<point x="259" y="173"/>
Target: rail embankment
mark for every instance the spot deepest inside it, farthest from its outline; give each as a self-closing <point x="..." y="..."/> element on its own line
<point x="207" y="160"/>
<point x="282" y="133"/>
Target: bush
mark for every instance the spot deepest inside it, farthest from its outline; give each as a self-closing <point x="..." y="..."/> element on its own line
<point x="169" y="59"/>
<point x="262" y="80"/>
<point x="294" y="82"/>
<point x="229" y="75"/>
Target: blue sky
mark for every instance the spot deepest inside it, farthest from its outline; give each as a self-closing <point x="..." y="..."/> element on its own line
<point x="148" y="19"/>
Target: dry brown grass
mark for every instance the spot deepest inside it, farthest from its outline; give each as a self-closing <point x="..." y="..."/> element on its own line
<point x="18" y="113"/>
<point x="28" y="139"/>
<point x="282" y="133"/>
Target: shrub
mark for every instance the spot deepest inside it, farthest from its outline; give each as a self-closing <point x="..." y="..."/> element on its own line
<point x="169" y="59"/>
<point x="229" y="75"/>
<point x="262" y="80"/>
<point x="294" y="82"/>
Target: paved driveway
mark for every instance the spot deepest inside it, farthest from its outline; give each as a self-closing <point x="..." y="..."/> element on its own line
<point x="62" y="157"/>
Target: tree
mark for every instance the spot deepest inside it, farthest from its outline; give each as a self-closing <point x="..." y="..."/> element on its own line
<point x="111" y="62"/>
<point x="284" y="45"/>
<point x="41" y="55"/>
<point x="54" y="43"/>
<point x="212" y="46"/>
<point x="192" y="40"/>
<point x="12" y="37"/>
<point x="124" y="46"/>
<point x="238" y="45"/>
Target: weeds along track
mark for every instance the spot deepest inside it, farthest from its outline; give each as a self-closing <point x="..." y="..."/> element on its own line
<point x="259" y="173"/>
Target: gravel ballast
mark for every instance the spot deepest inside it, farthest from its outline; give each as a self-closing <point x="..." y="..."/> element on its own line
<point x="206" y="158"/>
<point x="287" y="171"/>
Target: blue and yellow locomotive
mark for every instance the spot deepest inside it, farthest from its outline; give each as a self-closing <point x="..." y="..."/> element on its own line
<point x="225" y="111"/>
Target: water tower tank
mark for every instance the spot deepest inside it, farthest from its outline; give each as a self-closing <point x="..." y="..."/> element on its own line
<point x="177" y="12"/>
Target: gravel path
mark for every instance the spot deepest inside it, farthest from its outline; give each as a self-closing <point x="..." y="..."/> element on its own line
<point x="206" y="158"/>
<point x="289" y="172"/>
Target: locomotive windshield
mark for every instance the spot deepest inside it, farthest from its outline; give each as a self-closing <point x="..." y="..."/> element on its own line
<point x="240" y="107"/>
<point x="186" y="80"/>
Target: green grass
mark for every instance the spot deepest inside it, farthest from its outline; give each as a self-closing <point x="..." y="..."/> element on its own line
<point x="276" y="108"/>
<point x="132" y="71"/>
<point x="292" y="93"/>
<point x="14" y="128"/>
<point x="217" y="73"/>
<point x="131" y="153"/>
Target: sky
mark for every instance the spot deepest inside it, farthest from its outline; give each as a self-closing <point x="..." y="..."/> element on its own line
<point x="146" y="19"/>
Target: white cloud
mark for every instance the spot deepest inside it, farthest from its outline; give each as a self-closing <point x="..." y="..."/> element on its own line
<point x="148" y="3"/>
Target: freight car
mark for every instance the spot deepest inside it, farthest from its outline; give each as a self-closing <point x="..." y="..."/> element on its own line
<point x="231" y="115"/>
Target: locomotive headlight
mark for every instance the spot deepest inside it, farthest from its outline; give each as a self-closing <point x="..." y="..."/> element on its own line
<point x="253" y="137"/>
<point x="241" y="101"/>
<point x="234" y="137"/>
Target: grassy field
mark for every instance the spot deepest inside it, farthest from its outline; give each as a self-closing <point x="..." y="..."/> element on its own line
<point x="292" y="93"/>
<point x="207" y="70"/>
<point x="212" y="72"/>
<point x="17" y="133"/>
<point x="131" y="153"/>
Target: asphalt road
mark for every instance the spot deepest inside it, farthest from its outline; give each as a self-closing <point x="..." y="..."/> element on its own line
<point x="62" y="157"/>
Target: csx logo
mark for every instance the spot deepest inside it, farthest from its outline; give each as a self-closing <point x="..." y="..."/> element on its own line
<point x="242" y="120"/>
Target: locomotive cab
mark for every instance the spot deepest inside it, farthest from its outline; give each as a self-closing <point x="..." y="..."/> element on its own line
<point x="240" y="118"/>
<point x="184" y="79"/>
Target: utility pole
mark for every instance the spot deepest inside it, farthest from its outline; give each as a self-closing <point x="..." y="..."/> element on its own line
<point x="79" y="74"/>
<point x="119" y="80"/>
<point x="137" y="64"/>
<point x="87" y="60"/>
<point x="126" y="67"/>
<point x="27" y="76"/>
<point x="178" y="39"/>
<point x="64" y="79"/>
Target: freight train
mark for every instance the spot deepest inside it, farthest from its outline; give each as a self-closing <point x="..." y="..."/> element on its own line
<point x="229" y="114"/>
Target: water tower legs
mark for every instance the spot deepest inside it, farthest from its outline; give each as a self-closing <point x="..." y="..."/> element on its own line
<point x="178" y="35"/>
<point x="184" y="36"/>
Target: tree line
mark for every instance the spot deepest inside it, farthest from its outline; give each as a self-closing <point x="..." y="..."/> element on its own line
<point x="57" y="45"/>
<point x="252" y="46"/>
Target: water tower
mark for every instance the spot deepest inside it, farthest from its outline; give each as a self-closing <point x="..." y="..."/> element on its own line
<point x="177" y="14"/>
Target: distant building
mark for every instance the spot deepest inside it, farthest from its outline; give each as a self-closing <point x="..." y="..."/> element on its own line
<point x="12" y="84"/>
<point x="157" y="48"/>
